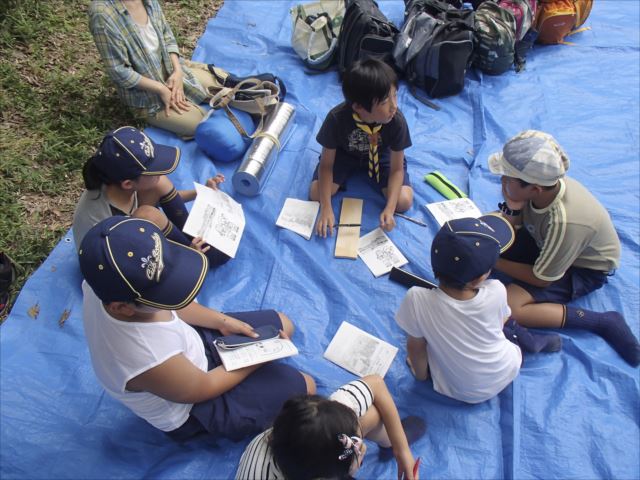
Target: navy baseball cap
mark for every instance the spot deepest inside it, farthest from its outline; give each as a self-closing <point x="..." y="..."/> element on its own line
<point x="126" y="153"/>
<point x="127" y="259"/>
<point x="466" y="248"/>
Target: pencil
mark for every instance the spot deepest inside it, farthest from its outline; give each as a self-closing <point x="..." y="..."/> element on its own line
<point x="347" y="225"/>
<point x="411" y="219"/>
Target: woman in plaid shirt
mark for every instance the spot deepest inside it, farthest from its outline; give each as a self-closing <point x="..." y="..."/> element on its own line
<point x="142" y="58"/>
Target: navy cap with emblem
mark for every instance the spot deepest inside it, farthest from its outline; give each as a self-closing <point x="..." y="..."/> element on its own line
<point x="467" y="248"/>
<point x="126" y="153"/>
<point x="128" y="259"/>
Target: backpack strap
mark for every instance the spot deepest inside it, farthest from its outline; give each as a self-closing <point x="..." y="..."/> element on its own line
<point x="250" y="95"/>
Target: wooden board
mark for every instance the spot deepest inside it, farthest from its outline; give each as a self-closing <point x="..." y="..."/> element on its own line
<point x="348" y="237"/>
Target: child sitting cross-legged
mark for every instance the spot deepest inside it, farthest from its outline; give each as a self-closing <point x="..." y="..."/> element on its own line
<point x="460" y="334"/>
<point x="152" y="346"/>
<point x="367" y="132"/>
<point x="128" y="176"/>
<point x="315" y="437"/>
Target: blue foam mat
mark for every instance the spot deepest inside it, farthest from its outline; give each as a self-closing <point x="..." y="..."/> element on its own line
<point x="569" y="415"/>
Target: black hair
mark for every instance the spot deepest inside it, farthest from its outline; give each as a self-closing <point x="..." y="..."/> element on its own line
<point x="524" y="184"/>
<point x="367" y="82"/>
<point x="93" y="177"/>
<point x="447" y="281"/>
<point x="304" y="440"/>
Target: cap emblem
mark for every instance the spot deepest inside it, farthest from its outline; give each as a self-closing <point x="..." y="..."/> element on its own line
<point x="146" y="146"/>
<point x="153" y="264"/>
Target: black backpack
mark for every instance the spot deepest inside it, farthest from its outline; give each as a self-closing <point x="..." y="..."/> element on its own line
<point x="435" y="45"/>
<point x="365" y="33"/>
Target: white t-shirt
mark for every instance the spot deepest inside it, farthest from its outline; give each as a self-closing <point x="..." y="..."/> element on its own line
<point x="469" y="357"/>
<point x="150" y="39"/>
<point x="123" y="350"/>
<point x="257" y="460"/>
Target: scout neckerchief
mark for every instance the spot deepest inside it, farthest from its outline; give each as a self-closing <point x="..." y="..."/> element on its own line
<point x="372" y="132"/>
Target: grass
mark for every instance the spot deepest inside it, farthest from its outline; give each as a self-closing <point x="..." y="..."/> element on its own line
<point x="56" y="105"/>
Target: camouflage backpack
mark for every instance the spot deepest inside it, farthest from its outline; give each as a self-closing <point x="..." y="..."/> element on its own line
<point x="495" y="38"/>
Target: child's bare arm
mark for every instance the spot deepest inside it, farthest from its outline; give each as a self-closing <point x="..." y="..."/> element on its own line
<point x="396" y="177"/>
<point x="325" y="185"/>
<point x="386" y="407"/>
<point x="179" y="380"/>
<point x="201" y="316"/>
<point x="417" y="357"/>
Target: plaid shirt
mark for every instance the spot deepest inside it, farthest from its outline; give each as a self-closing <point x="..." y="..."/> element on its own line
<point x="126" y="59"/>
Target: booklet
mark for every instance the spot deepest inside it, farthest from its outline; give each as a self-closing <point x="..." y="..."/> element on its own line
<point x="360" y="352"/>
<point x="299" y="216"/>
<point x="378" y="252"/>
<point x="217" y="218"/>
<point x="453" y="209"/>
<point x="255" y="353"/>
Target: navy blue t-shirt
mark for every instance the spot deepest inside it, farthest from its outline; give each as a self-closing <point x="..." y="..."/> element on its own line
<point x="339" y="131"/>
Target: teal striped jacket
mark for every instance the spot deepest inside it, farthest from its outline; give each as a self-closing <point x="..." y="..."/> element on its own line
<point x="126" y="59"/>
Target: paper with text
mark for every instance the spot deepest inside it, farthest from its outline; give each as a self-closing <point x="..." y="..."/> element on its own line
<point x="379" y="253"/>
<point x="255" y="353"/>
<point x="299" y="216"/>
<point x="217" y="218"/>
<point x="360" y="352"/>
<point x="453" y="209"/>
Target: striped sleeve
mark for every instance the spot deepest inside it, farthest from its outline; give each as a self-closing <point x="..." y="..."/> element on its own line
<point x="356" y="395"/>
<point x="563" y="243"/>
<point x="257" y="462"/>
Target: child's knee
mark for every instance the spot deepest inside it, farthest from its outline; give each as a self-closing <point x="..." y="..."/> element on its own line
<point x="287" y="324"/>
<point x="310" y="383"/>
<point x="313" y="191"/>
<point x="147" y="212"/>
<point x="518" y="298"/>
<point x="405" y="199"/>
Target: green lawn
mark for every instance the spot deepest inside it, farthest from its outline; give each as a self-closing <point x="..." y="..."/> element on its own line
<point x="56" y="105"/>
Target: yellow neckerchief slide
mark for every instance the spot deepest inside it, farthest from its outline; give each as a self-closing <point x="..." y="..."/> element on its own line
<point x="372" y="132"/>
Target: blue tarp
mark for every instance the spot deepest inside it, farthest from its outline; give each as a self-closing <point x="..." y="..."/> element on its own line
<point x="574" y="414"/>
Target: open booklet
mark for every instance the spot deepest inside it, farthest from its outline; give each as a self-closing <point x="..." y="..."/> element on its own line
<point x="217" y="218"/>
<point x="360" y="352"/>
<point x="453" y="209"/>
<point x="260" y="352"/>
<point x="379" y="253"/>
<point x="299" y="216"/>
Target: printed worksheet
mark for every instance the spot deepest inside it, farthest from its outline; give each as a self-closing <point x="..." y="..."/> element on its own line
<point x="379" y="253"/>
<point x="299" y="216"/>
<point x="360" y="352"/>
<point x="217" y="218"/>
<point x="260" y="352"/>
<point x="453" y="209"/>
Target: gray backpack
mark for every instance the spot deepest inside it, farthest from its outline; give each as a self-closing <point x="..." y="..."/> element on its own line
<point x="495" y="38"/>
<point x="434" y="47"/>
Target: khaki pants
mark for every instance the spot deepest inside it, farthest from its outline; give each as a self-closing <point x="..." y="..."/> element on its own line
<point x="184" y="124"/>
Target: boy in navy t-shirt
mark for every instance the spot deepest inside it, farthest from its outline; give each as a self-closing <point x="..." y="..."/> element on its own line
<point x="367" y="132"/>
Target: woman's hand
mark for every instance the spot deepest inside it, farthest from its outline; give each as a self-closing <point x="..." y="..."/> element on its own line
<point x="232" y="325"/>
<point x="213" y="182"/>
<point x="172" y="94"/>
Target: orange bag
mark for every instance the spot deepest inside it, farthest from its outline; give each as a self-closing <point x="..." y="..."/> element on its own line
<point x="558" y="19"/>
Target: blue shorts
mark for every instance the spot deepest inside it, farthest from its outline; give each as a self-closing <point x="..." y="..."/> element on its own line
<point x="575" y="283"/>
<point x="345" y="165"/>
<point x="250" y="406"/>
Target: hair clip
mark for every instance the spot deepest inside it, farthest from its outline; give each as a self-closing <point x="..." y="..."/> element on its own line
<point x="351" y="446"/>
